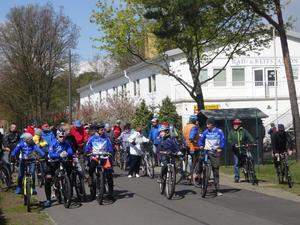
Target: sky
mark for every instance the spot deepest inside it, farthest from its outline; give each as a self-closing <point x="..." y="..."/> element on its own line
<point x="80" y="11"/>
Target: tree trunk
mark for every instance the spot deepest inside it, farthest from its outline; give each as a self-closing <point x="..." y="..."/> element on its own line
<point x="198" y="96"/>
<point x="289" y="77"/>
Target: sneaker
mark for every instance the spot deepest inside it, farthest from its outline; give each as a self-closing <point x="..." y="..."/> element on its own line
<point x="18" y="190"/>
<point x="137" y="175"/>
<point x="34" y="192"/>
<point x="236" y="181"/>
<point x="47" y="204"/>
<point x="129" y="176"/>
<point x="218" y="193"/>
<point x="158" y="180"/>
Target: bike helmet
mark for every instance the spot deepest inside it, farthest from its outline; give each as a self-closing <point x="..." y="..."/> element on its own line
<point x="26" y="137"/>
<point x="60" y="132"/>
<point x="236" y="122"/>
<point x="164" y="127"/>
<point x="193" y="119"/>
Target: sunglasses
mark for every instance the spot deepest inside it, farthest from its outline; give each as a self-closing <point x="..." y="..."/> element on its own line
<point x="61" y="136"/>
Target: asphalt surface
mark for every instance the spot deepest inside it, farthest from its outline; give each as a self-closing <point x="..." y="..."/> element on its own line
<point x="138" y="201"/>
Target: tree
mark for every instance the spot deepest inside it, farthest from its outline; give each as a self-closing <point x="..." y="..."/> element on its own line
<point x="167" y="113"/>
<point x="202" y="30"/>
<point x="34" y="46"/>
<point x="269" y="10"/>
<point x="142" y="116"/>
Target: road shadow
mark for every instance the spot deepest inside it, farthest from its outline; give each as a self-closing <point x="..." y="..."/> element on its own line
<point x="120" y="194"/>
<point x="182" y="193"/>
<point x="230" y="190"/>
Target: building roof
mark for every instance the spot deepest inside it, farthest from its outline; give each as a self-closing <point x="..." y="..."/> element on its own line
<point x="229" y="114"/>
<point x="173" y="52"/>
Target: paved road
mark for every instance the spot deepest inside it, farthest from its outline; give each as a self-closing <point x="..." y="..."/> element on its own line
<point x="138" y="202"/>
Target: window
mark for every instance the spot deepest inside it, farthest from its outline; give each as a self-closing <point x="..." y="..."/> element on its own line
<point x="152" y="83"/>
<point x="124" y="90"/>
<point x="203" y="76"/>
<point x="220" y="79"/>
<point x="271" y="77"/>
<point x="295" y="73"/>
<point x="238" y="77"/>
<point x="115" y="90"/>
<point x="136" y="88"/>
<point x="258" y="77"/>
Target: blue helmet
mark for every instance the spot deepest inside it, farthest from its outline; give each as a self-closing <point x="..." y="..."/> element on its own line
<point x="193" y="119"/>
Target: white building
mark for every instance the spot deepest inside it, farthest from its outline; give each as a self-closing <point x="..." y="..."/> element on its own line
<point x="247" y="81"/>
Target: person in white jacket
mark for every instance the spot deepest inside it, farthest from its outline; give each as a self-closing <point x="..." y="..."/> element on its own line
<point x="135" y="140"/>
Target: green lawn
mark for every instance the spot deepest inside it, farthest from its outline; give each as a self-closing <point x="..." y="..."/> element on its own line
<point x="13" y="212"/>
<point x="266" y="173"/>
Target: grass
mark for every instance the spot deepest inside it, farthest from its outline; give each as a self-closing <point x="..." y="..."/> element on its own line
<point x="266" y="173"/>
<point x="13" y="212"/>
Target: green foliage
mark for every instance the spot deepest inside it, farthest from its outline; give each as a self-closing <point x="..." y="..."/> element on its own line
<point x="167" y="113"/>
<point x="142" y="116"/>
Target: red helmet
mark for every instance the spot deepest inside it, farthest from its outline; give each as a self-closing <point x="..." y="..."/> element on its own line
<point x="236" y="122"/>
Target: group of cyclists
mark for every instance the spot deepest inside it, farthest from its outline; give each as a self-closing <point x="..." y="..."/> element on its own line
<point x="81" y="143"/>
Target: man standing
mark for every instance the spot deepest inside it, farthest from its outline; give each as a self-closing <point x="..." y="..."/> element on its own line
<point x="237" y="138"/>
<point x="213" y="140"/>
<point x="154" y="138"/>
<point x="80" y="135"/>
<point x="10" y="141"/>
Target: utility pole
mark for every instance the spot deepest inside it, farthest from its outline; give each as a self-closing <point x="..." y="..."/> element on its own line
<point x="69" y="89"/>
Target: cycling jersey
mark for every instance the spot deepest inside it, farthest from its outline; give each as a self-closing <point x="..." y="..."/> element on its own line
<point x="212" y="139"/>
<point x="97" y="144"/>
<point x="58" y="147"/>
<point x="27" y="151"/>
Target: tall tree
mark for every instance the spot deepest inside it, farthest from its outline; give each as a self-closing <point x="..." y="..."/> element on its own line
<point x="201" y="29"/>
<point x="270" y="10"/>
<point x="34" y="45"/>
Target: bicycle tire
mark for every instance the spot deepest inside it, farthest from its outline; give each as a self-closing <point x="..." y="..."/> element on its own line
<point x="28" y="194"/>
<point x="143" y="167"/>
<point x="170" y="182"/>
<point x="205" y="179"/>
<point x="150" y="167"/>
<point x="162" y="184"/>
<point x="287" y="175"/>
<point x="80" y="187"/>
<point x="196" y="175"/>
<point x="66" y="191"/>
<point x="279" y="173"/>
<point x="251" y="173"/>
<point x="100" y="187"/>
<point x="4" y="177"/>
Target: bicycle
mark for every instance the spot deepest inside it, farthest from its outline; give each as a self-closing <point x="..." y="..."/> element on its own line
<point x="117" y="149"/>
<point x="27" y="183"/>
<point x="5" y="177"/>
<point x="247" y="163"/>
<point x="102" y="173"/>
<point x="206" y="172"/>
<point x="62" y="184"/>
<point x="147" y="163"/>
<point x="124" y="156"/>
<point x="283" y="170"/>
<point x="168" y="176"/>
<point x="40" y="172"/>
<point x="77" y="180"/>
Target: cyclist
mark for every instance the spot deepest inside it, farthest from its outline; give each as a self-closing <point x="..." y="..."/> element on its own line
<point x="190" y="139"/>
<point x="47" y="134"/>
<point x="136" y="139"/>
<point x="166" y="143"/>
<point x="154" y="138"/>
<point x="238" y="136"/>
<point x="96" y="144"/>
<point x="60" y="148"/>
<point x="281" y="144"/>
<point x="80" y="135"/>
<point x="117" y="129"/>
<point x="213" y="140"/>
<point x="26" y="148"/>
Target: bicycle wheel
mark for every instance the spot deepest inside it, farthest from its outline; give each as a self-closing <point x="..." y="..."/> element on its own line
<point x="162" y="184"/>
<point x="4" y="177"/>
<point x="279" y="173"/>
<point x="196" y="175"/>
<point x="150" y="167"/>
<point x="100" y="187"/>
<point x="205" y="179"/>
<point x="170" y="182"/>
<point x="80" y="188"/>
<point x="66" y="191"/>
<point x="251" y="173"/>
<point x="143" y="167"/>
<point x="57" y="191"/>
<point x="28" y="193"/>
<point x="288" y="176"/>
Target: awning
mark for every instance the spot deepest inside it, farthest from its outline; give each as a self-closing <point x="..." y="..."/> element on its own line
<point x="229" y="114"/>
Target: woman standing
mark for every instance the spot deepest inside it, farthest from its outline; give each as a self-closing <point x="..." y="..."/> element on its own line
<point x="135" y="140"/>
